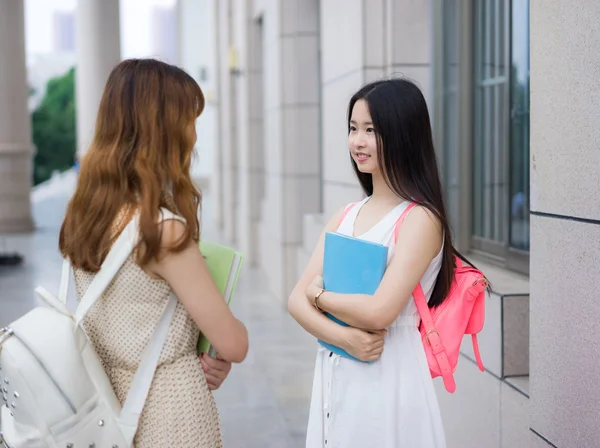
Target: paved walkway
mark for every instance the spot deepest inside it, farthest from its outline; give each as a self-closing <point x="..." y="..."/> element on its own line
<point x="263" y="403"/>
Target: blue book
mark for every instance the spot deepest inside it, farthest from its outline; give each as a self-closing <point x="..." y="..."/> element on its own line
<point x="351" y="266"/>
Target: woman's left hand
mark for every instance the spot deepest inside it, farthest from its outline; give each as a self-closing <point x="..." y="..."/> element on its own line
<point x="215" y="370"/>
<point x="314" y="288"/>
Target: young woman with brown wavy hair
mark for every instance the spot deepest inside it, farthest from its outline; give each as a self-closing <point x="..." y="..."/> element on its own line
<point x="139" y="163"/>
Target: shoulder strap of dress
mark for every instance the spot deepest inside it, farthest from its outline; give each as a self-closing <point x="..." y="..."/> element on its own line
<point x="166" y="214"/>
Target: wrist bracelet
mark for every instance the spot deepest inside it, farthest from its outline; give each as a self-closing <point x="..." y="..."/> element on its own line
<point x="317" y="300"/>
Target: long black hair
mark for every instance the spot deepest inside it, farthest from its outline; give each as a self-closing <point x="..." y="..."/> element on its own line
<point x="407" y="158"/>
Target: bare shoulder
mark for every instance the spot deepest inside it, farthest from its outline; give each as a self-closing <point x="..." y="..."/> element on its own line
<point x="421" y="216"/>
<point x="172" y="231"/>
<point x="421" y="233"/>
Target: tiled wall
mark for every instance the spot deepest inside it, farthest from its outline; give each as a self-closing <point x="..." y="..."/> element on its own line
<point x="344" y="64"/>
<point x="361" y="41"/>
<point x="282" y="135"/>
<point x="270" y="130"/>
<point x="504" y="340"/>
<point x="484" y="412"/>
<point x="565" y="226"/>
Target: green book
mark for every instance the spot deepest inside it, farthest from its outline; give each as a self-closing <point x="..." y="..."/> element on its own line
<point x="224" y="264"/>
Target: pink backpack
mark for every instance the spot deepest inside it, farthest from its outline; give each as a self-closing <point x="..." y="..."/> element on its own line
<point x="462" y="312"/>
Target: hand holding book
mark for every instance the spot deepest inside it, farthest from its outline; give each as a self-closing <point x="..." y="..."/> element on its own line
<point x="351" y="266"/>
<point x="224" y="264"/>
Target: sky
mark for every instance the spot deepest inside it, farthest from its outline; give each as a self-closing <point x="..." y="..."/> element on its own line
<point x="135" y="24"/>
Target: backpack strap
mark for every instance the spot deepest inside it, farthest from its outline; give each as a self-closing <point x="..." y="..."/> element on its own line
<point x="432" y="337"/>
<point x="118" y="254"/>
<point x="476" y="352"/>
<point x="345" y="213"/>
<point x="65" y="278"/>
<point x="142" y="380"/>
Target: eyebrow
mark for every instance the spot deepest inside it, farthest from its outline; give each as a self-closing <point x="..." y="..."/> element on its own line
<point x="366" y="122"/>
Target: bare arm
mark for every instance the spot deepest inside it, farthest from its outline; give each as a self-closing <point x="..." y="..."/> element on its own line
<point x="312" y="320"/>
<point x="420" y="239"/>
<point x="190" y="278"/>
<point x="360" y="344"/>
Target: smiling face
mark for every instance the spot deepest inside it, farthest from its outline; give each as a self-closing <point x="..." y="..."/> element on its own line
<point x="362" y="139"/>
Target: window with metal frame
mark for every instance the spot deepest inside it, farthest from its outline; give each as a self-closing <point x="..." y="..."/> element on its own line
<point x="500" y="219"/>
<point x="491" y="126"/>
<point x="483" y="80"/>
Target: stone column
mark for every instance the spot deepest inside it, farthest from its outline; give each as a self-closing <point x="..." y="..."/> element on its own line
<point x="228" y="132"/>
<point x="289" y="158"/>
<point x="16" y="149"/>
<point x="247" y="40"/>
<point x="98" y="51"/>
<point x="353" y="53"/>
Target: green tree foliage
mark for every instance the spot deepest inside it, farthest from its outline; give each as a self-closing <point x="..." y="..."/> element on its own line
<point x="53" y="125"/>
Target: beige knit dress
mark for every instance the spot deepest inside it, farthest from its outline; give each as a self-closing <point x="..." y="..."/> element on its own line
<point x="180" y="411"/>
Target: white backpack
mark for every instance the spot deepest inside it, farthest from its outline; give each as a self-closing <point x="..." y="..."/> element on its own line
<point x="55" y="391"/>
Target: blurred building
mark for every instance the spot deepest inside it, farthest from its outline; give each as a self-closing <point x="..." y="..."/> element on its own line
<point x="197" y="54"/>
<point x="163" y="33"/>
<point x="43" y="67"/>
<point x="517" y="145"/>
<point x="63" y="31"/>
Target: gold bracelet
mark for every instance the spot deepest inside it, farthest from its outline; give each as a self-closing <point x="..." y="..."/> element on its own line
<point x="317" y="300"/>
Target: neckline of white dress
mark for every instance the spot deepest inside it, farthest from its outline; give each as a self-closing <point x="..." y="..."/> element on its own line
<point x="377" y="224"/>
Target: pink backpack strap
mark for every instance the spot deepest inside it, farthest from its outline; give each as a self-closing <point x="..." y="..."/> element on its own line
<point x="476" y="352"/>
<point x="401" y="219"/>
<point x="432" y="335"/>
<point x="346" y="211"/>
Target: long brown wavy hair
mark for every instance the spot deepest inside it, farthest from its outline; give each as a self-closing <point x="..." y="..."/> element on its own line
<point x="139" y="160"/>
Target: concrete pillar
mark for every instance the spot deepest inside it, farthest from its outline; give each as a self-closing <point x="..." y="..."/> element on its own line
<point x="16" y="149"/>
<point x="292" y="156"/>
<point x="98" y="51"/>
<point x="197" y="28"/>
<point x="228" y="139"/>
<point x="216" y="180"/>
<point x="368" y="44"/>
<point x="352" y="54"/>
<point x="365" y="42"/>
<point x="247" y="41"/>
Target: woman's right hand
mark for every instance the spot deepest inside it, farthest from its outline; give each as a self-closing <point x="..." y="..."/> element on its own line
<point x="364" y="345"/>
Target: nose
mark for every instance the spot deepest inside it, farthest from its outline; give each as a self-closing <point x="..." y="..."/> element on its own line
<point x="359" y="140"/>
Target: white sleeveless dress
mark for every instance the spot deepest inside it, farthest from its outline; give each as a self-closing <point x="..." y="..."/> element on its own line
<point x="390" y="403"/>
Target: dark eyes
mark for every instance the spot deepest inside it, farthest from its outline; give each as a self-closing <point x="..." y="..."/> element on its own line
<point x="353" y="129"/>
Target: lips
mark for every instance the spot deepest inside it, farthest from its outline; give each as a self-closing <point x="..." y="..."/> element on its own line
<point x="362" y="157"/>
